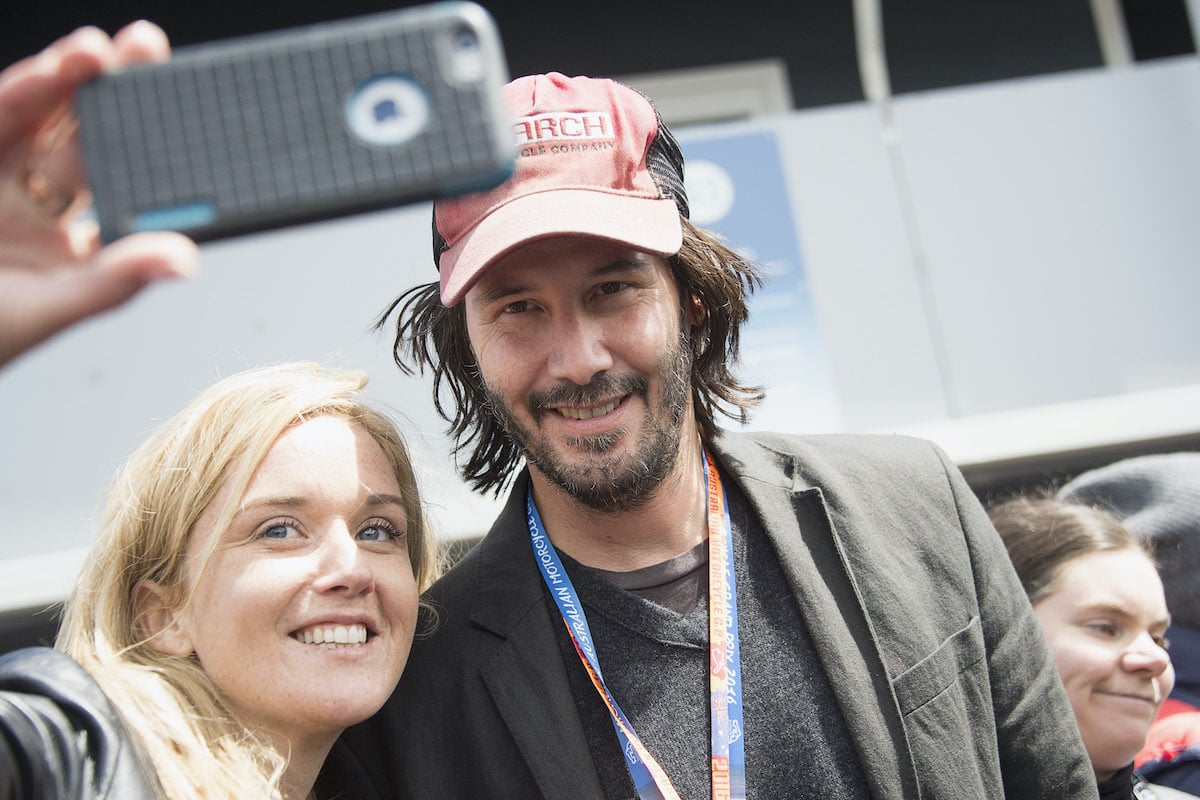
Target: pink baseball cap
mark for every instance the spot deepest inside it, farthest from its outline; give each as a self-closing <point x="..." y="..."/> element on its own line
<point x="593" y="159"/>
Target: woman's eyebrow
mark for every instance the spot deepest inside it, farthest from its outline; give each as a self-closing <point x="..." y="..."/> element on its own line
<point x="383" y="500"/>
<point x="1113" y="610"/>
<point x="287" y="501"/>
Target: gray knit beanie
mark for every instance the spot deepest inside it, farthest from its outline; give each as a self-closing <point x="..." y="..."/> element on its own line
<point x="1158" y="500"/>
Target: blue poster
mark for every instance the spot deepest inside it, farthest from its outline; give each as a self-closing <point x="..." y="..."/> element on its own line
<point x="736" y="187"/>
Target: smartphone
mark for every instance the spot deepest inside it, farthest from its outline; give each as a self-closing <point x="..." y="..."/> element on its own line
<point x="298" y="125"/>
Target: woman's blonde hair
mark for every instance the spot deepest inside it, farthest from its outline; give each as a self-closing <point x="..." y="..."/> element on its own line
<point x="220" y="438"/>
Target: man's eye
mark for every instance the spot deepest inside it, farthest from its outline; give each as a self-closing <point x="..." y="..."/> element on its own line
<point x="612" y="287"/>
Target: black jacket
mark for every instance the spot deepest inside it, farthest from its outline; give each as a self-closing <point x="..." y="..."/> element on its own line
<point x="60" y="737"/>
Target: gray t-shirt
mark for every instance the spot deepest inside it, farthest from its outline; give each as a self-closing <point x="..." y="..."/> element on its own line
<point x="653" y="650"/>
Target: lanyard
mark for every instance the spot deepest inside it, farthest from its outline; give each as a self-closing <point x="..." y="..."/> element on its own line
<point x="725" y="678"/>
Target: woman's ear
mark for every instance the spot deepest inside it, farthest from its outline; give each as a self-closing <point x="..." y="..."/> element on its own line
<point x="158" y="621"/>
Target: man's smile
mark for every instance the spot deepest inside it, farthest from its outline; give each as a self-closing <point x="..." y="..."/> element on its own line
<point x="589" y="412"/>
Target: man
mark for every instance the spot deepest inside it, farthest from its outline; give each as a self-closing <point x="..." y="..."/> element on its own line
<point x="868" y="637"/>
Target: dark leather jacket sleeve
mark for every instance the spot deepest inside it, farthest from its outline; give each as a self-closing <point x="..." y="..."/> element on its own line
<point x="60" y="737"/>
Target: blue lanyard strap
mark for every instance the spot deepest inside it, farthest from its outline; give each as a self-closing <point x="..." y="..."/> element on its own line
<point x="725" y="662"/>
<point x="725" y="680"/>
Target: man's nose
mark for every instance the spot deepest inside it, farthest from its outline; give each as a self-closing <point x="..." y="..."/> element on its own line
<point x="576" y="349"/>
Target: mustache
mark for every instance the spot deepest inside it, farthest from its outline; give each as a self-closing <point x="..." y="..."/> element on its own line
<point x="601" y="388"/>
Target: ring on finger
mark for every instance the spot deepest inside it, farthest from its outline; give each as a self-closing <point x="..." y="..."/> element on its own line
<point x="48" y="196"/>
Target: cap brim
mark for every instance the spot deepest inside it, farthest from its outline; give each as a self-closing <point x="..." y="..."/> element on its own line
<point x="648" y="224"/>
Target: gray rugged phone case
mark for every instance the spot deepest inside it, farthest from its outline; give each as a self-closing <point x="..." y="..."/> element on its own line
<point x="298" y="125"/>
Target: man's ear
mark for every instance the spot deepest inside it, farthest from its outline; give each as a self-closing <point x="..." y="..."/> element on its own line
<point x="158" y="620"/>
<point x="696" y="313"/>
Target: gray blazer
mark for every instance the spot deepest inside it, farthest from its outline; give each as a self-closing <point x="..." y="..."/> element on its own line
<point x="946" y="684"/>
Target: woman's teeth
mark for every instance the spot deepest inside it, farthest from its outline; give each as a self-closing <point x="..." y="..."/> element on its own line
<point x="333" y="635"/>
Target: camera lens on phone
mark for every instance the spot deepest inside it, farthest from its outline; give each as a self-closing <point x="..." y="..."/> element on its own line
<point x="466" y="56"/>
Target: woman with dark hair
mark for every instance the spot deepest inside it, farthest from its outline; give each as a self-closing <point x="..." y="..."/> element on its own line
<point x="1097" y="595"/>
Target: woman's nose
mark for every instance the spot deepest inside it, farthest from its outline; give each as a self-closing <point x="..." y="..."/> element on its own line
<point x="341" y="566"/>
<point x="1146" y="655"/>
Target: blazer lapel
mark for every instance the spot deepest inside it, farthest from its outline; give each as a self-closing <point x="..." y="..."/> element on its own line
<point x="526" y="675"/>
<point x="797" y="520"/>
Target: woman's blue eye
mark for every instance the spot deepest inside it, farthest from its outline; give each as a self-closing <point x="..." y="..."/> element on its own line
<point x="374" y="534"/>
<point x="379" y="532"/>
<point x="281" y="529"/>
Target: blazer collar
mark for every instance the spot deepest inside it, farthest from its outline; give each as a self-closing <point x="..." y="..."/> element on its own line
<point x="509" y="583"/>
<point x="525" y="674"/>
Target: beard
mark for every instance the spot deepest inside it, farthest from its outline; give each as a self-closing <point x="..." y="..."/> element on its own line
<point x="605" y="479"/>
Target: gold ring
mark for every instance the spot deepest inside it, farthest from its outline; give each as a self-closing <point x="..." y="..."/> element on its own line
<point x="48" y="196"/>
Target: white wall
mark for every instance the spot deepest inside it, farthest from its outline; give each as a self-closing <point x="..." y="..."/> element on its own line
<point x="997" y="247"/>
<point x="1053" y="251"/>
<point x="1059" y="221"/>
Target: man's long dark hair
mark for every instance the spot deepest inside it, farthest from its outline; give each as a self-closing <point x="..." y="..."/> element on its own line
<point x="433" y="338"/>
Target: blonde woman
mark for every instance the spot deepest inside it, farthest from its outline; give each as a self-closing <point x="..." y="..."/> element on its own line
<point x="252" y="592"/>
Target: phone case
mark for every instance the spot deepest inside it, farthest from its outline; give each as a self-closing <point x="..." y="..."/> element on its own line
<point x="298" y="125"/>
